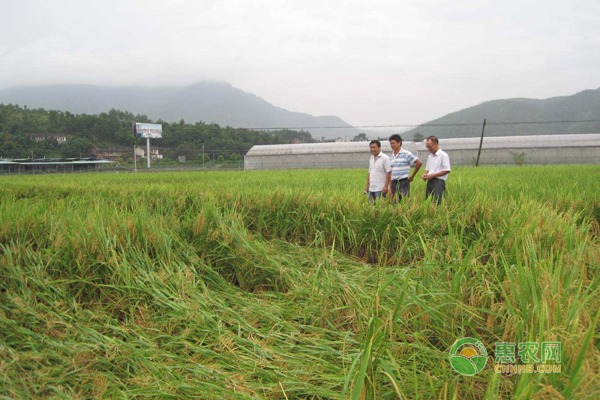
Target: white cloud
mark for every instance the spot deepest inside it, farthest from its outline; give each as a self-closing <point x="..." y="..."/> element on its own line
<point x="369" y="62"/>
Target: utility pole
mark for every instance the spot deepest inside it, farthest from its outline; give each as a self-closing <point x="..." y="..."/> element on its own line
<point x="481" y="142"/>
<point x="148" y="151"/>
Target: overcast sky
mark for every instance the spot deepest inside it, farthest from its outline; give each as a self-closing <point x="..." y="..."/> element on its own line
<point x="369" y="62"/>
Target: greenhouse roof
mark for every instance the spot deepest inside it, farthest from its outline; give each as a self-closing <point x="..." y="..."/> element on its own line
<point x="499" y="142"/>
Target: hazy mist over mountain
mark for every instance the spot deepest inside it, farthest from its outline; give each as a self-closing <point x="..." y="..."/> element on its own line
<point x="221" y="103"/>
<point x="370" y="63"/>
<point x="581" y="106"/>
<point x="217" y="102"/>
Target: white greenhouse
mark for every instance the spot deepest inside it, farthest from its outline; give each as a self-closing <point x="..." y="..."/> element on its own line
<point x="502" y="150"/>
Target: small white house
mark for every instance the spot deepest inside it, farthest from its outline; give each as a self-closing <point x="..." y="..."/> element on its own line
<point x="154" y="154"/>
<point x="40" y="137"/>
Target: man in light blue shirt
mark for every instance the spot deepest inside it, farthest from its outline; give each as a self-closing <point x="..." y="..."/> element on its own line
<point x="401" y="160"/>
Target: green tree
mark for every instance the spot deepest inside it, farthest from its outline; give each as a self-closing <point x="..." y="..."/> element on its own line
<point x="418" y="137"/>
<point x="206" y="157"/>
<point x="76" y="147"/>
<point x="124" y="137"/>
<point x="361" y="137"/>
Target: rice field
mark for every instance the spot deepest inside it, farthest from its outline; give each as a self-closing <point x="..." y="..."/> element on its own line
<point x="289" y="285"/>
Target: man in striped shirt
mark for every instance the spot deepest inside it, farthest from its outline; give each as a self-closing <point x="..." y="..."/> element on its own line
<point x="401" y="161"/>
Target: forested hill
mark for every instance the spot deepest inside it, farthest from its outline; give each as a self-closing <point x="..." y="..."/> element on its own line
<point x="208" y="102"/>
<point x="582" y="106"/>
<point x="114" y="129"/>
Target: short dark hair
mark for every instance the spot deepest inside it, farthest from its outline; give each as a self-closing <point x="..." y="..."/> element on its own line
<point x="433" y="139"/>
<point x="396" y="137"/>
<point x="377" y="142"/>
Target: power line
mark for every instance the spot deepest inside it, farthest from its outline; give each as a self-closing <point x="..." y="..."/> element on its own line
<point x="541" y="122"/>
<point x="425" y="125"/>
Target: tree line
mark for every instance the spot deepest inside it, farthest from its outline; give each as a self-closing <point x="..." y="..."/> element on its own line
<point x="113" y="129"/>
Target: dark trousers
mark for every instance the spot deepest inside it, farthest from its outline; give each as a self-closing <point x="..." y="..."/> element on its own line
<point x="400" y="187"/>
<point x="436" y="188"/>
<point x="375" y="195"/>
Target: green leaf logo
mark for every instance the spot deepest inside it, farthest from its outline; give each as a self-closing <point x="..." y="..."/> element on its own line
<point x="468" y="356"/>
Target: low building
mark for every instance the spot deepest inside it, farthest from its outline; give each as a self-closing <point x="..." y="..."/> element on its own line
<point x="112" y="154"/>
<point x="40" y="137"/>
<point x="154" y="154"/>
<point x="52" y="165"/>
<point x="115" y="154"/>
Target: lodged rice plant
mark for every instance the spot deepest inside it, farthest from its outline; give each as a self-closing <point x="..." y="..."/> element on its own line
<point x="289" y="285"/>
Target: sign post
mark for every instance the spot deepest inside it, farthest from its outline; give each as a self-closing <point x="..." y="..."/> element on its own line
<point x="148" y="151"/>
<point x="147" y="131"/>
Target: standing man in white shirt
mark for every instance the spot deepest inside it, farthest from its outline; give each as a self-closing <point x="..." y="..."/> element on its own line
<point x="401" y="160"/>
<point x="380" y="172"/>
<point x="436" y="170"/>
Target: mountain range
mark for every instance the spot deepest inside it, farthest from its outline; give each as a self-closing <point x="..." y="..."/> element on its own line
<point x="221" y="103"/>
<point x="520" y="116"/>
<point x="209" y="102"/>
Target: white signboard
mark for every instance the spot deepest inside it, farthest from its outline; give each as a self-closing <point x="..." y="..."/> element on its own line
<point x="148" y="131"/>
